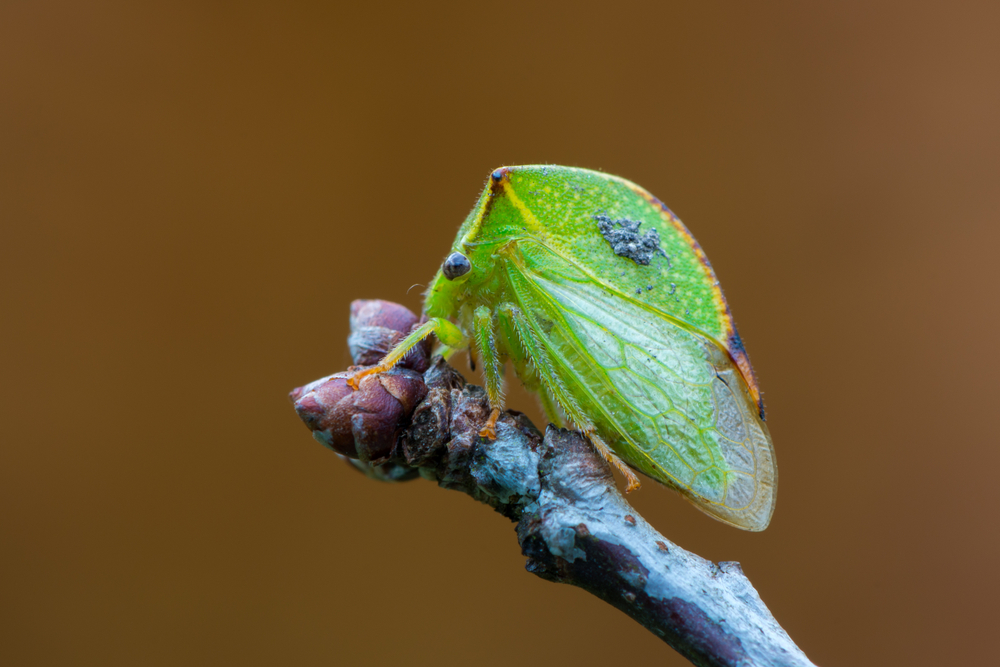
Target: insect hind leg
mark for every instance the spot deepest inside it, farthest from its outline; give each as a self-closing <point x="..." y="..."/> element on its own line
<point x="535" y="350"/>
<point x="612" y="458"/>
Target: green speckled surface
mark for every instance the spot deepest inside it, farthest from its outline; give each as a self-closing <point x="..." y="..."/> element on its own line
<point x="644" y="353"/>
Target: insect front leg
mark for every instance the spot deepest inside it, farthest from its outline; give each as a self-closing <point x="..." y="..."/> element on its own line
<point x="486" y="347"/>
<point x="447" y="333"/>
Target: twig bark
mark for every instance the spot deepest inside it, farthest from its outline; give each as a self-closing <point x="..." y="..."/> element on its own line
<point x="572" y="523"/>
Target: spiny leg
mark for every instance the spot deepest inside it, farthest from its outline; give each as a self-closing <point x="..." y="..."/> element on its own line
<point x="527" y="371"/>
<point x="543" y="364"/>
<point x="490" y="358"/>
<point x="551" y="408"/>
<point x="449" y="335"/>
<point x="612" y="458"/>
<point x="534" y="350"/>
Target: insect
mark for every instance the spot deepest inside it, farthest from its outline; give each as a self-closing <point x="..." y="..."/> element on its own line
<point x="607" y="307"/>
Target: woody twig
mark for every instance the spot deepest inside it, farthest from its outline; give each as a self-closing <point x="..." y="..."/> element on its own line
<point x="423" y="419"/>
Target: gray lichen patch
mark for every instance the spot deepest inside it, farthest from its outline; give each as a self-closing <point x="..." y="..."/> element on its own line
<point x="624" y="238"/>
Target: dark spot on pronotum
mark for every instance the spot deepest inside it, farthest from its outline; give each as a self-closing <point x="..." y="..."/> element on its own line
<point x="662" y="546"/>
<point x="738" y="352"/>
<point x="735" y="342"/>
<point x="455" y="266"/>
<point x="624" y="238"/>
<point x="629" y="519"/>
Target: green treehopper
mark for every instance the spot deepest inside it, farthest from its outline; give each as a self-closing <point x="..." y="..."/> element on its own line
<point x="607" y="307"/>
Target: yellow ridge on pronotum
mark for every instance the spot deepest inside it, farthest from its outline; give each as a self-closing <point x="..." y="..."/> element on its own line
<point x="525" y="212"/>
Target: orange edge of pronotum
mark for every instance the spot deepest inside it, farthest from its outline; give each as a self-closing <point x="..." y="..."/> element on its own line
<point x="733" y="342"/>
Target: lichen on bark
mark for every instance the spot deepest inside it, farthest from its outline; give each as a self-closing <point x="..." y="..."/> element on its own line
<point x="423" y="419"/>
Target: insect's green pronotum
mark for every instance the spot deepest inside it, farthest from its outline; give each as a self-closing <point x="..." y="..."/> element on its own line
<point x="607" y="308"/>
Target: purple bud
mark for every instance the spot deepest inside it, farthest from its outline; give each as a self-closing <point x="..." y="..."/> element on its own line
<point x="359" y="424"/>
<point x="378" y="313"/>
<point x="377" y="326"/>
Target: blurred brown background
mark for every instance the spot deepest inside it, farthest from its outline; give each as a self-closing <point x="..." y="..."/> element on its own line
<point x="192" y="193"/>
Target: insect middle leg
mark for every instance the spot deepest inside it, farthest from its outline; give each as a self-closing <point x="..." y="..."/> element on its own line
<point x="486" y="347"/>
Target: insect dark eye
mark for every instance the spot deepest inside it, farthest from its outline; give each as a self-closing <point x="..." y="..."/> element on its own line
<point x="456" y="265"/>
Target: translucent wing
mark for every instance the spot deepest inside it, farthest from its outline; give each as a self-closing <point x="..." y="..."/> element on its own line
<point x="667" y="398"/>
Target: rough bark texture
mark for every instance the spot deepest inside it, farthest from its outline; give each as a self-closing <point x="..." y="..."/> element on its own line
<point x="572" y="523"/>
